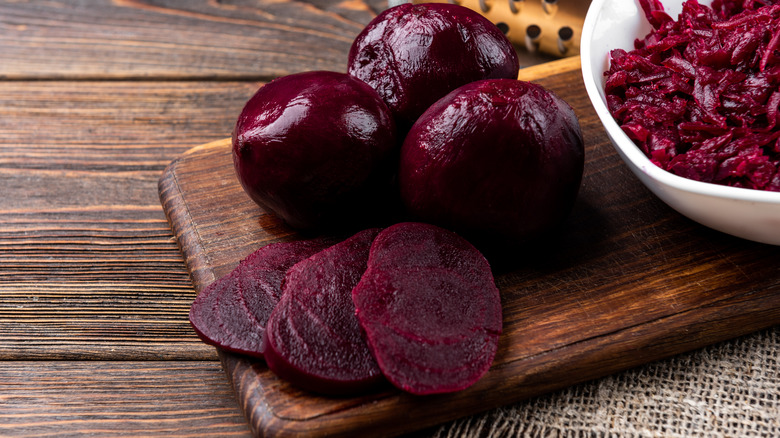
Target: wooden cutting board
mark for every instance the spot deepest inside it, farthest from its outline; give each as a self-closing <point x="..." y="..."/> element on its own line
<point x="627" y="281"/>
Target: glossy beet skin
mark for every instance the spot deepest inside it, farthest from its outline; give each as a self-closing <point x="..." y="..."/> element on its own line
<point x="496" y="160"/>
<point x="413" y="55"/>
<point x="318" y="149"/>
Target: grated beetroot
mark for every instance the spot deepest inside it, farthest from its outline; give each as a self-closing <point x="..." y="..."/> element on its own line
<point x="700" y="95"/>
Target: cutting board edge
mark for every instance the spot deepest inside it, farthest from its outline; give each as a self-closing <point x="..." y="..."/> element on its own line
<point x="179" y="218"/>
<point x="660" y="345"/>
<point x="551" y="68"/>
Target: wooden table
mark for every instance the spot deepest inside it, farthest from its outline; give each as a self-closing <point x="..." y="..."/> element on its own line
<point x="97" y="97"/>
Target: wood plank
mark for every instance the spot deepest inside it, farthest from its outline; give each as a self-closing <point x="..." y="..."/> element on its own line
<point x="177" y="39"/>
<point x="76" y="399"/>
<point x="93" y="282"/>
<point x="89" y="267"/>
<point x="112" y="126"/>
<point x="628" y="281"/>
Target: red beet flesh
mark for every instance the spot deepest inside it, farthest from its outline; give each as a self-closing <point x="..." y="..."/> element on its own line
<point x="495" y="160"/>
<point x="205" y="314"/>
<point x="231" y="313"/>
<point x="430" y="309"/>
<point x="415" y="54"/>
<point x="700" y="95"/>
<point x="313" y="338"/>
<point x="318" y="149"/>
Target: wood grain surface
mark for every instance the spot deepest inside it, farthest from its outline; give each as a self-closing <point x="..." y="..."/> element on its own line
<point x="87" y="256"/>
<point x="90" y="274"/>
<point x="64" y="398"/>
<point x="627" y="281"/>
<point x="97" y="97"/>
<point x="177" y="39"/>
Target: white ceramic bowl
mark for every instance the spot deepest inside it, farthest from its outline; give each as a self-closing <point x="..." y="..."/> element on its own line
<point x="745" y="213"/>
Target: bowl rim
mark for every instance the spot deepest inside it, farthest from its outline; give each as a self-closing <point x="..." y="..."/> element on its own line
<point x="632" y="152"/>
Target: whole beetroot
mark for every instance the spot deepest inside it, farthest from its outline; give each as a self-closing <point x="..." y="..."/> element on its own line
<point x="497" y="160"/>
<point x="318" y="149"/>
<point x="415" y="54"/>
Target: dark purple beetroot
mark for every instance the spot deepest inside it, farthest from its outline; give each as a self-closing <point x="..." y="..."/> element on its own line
<point x="704" y="104"/>
<point x="415" y="54"/>
<point x="430" y="309"/>
<point x="318" y="149"/>
<point x="496" y="160"/>
<point x="313" y="338"/>
<point x="231" y="312"/>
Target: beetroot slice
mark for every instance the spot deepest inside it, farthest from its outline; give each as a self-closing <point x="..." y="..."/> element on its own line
<point x="231" y="313"/>
<point x="263" y="271"/>
<point x="205" y="315"/>
<point x="430" y="309"/>
<point x="313" y="338"/>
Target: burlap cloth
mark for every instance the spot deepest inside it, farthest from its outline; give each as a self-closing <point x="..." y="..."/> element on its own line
<point x="731" y="389"/>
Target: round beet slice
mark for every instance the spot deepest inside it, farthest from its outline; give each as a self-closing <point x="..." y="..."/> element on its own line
<point x="430" y="309"/>
<point x="262" y="273"/>
<point x="313" y="338"/>
<point x="415" y="54"/>
<point x="231" y="312"/>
